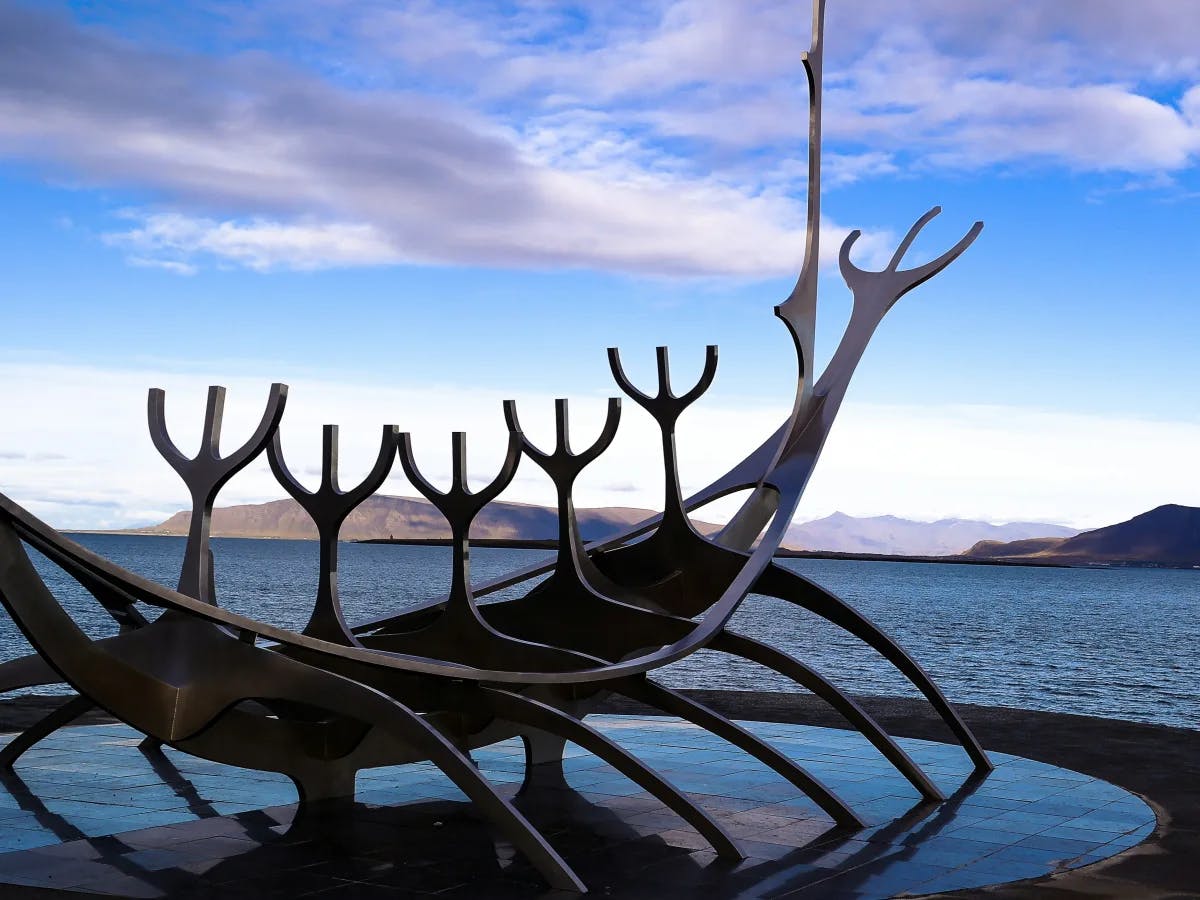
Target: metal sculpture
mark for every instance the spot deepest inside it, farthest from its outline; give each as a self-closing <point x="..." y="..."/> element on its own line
<point x="434" y="681"/>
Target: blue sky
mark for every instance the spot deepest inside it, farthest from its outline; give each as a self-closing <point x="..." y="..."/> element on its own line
<point x="409" y="211"/>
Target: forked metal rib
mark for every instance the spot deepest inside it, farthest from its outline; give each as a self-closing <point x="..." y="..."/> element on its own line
<point x="794" y="588"/>
<point x="790" y="667"/>
<point x="206" y="473"/>
<point x="533" y="713"/>
<point x="329" y="507"/>
<point x="676" y="704"/>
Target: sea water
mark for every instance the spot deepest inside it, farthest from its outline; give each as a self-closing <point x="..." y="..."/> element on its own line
<point x="1116" y="642"/>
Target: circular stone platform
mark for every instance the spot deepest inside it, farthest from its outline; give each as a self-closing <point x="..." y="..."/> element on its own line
<point x="87" y="811"/>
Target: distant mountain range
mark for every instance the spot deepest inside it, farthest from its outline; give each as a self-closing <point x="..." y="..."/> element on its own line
<point x="382" y="517"/>
<point x="890" y="535"/>
<point x="405" y="518"/>
<point x="1166" y="536"/>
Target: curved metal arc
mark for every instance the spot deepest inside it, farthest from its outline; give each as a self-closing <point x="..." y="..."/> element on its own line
<point x="707" y="375"/>
<point x="624" y="382"/>
<point x="380" y="471"/>
<point x="278" y="677"/>
<point x="156" y="418"/>
<point x="409" y="464"/>
<point x="530" y="712"/>
<point x="508" y="469"/>
<point x="794" y="588"/>
<point x="52" y="544"/>
<point x="911" y="236"/>
<point x="674" y="703"/>
<point x="514" y="427"/>
<point x="895" y="281"/>
<point x="267" y="425"/>
<point x="283" y="474"/>
<point x="47" y="725"/>
<point x="920" y="274"/>
<point x="790" y="667"/>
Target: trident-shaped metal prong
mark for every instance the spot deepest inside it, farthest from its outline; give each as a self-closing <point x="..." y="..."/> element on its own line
<point x="460" y="505"/>
<point x="892" y="283"/>
<point x="564" y="465"/>
<point x="666" y="408"/>
<point x="458" y="501"/>
<point x="206" y="473"/>
<point x="328" y="507"/>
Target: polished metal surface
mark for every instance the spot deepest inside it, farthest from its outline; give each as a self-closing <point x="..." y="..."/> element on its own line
<point x="433" y="682"/>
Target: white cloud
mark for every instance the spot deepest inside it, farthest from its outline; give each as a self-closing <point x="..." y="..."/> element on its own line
<point x="169" y="240"/>
<point x="1078" y="83"/>
<point x="1000" y="463"/>
<point x="312" y="175"/>
<point x="528" y="137"/>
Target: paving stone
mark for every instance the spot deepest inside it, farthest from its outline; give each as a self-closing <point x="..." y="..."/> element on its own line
<point x="91" y="812"/>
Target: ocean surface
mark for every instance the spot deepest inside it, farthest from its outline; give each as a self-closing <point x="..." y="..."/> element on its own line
<point x="1120" y="643"/>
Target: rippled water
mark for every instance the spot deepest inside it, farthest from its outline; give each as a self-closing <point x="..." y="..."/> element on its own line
<point x="1120" y="643"/>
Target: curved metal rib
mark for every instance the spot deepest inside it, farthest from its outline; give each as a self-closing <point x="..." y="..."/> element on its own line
<point x="535" y="714"/>
<point x="790" y="667"/>
<point x="64" y="715"/>
<point x="26" y="671"/>
<point x="369" y="705"/>
<point x="794" y="588"/>
<point x="236" y="673"/>
<point x="653" y="694"/>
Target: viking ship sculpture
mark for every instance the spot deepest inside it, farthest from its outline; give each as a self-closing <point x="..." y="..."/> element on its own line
<point x="434" y="681"/>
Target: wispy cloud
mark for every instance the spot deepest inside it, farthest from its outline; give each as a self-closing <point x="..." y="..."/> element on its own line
<point x="308" y="174"/>
<point x="662" y="140"/>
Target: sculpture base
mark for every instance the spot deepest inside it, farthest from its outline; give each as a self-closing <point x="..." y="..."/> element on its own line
<point x="87" y="811"/>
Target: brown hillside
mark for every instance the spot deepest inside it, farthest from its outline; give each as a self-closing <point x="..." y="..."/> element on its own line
<point x="405" y="518"/>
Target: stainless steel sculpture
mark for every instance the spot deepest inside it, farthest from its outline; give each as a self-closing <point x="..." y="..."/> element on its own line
<point x="434" y="681"/>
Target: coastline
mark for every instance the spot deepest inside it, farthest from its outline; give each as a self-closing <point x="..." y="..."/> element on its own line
<point x="522" y="544"/>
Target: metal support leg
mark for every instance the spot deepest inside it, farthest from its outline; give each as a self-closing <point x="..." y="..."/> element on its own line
<point x="677" y="704"/>
<point x="776" y="581"/>
<point x="790" y="667"/>
<point x="43" y="728"/>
